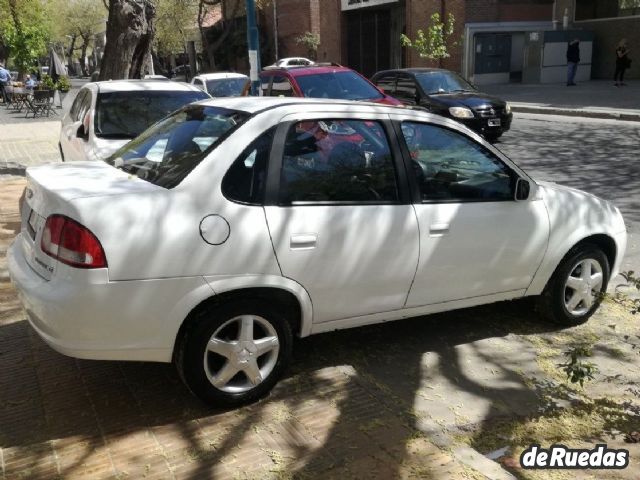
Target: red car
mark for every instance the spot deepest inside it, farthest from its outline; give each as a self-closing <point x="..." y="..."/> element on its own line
<point x="321" y="81"/>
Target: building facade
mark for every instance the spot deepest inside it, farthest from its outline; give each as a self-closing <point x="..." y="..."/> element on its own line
<point x="497" y="41"/>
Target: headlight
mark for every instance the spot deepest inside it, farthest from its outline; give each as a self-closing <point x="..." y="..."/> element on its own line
<point x="461" y="112"/>
<point x="507" y="108"/>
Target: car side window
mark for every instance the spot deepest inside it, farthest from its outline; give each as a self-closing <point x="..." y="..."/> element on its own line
<point x="406" y="88"/>
<point x="75" y="107"/>
<point x="264" y="85"/>
<point x="281" y="87"/>
<point x="85" y="105"/>
<point x="449" y="166"/>
<point x="343" y="161"/>
<point x="198" y="83"/>
<point x="387" y="83"/>
<point x="245" y="181"/>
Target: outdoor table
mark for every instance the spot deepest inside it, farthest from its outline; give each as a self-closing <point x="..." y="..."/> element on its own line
<point x="19" y="97"/>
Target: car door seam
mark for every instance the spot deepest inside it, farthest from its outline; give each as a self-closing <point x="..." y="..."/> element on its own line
<point x="415" y="273"/>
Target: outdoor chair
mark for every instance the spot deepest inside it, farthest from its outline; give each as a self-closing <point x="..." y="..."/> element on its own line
<point x="38" y="104"/>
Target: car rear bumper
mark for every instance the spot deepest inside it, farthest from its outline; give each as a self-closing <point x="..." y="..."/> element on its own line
<point x="81" y="314"/>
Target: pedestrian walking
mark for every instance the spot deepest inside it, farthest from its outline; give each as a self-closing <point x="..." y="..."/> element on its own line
<point x="573" y="58"/>
<point x="5" y="80"/>
<point x="622" y="63"/>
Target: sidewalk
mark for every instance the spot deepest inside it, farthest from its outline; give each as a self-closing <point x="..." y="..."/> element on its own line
<point x="595" y="99"/>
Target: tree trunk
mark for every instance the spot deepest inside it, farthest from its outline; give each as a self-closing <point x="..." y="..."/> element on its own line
<point x="83" y="57"/>
<point x="130" y="32"/>
<point x="70" y="67"/>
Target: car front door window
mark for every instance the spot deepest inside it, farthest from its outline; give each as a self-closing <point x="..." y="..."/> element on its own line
<point x="451" y="167"/>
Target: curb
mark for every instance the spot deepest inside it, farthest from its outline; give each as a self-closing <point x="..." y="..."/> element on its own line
<point x="631" y="116"/>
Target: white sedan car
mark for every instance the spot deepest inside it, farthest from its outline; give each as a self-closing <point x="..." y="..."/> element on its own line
<point x="106" y="115"/>
<point x="223" y="84"/>
<point x="231" y="227"/>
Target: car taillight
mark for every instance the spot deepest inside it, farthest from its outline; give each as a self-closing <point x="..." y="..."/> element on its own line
<point x="71" y="243"/>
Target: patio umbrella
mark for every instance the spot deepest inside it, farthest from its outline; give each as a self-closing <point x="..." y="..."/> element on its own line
<point x="56" y="67"/>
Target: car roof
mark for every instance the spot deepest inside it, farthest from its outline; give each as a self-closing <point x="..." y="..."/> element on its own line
<point x="412" y="70"/>
<point x="136" y="85"/>
<point x="219" y="75"/>
<point x="256" y="104"/>
<point x="298" y="71"/>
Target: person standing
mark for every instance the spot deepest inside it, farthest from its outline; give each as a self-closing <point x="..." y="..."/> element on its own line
<point x="622" y="63"/>
<point x="5" y="79"/>
<point x="573" y="58"/>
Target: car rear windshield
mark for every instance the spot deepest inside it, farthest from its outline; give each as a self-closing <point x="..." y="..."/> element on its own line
<point x="168" y="151"/>
<point x="226" y="87"/>
<point x="443" y="82"/>
<point x="127" y="114"/>
<point x="340" y="85"/>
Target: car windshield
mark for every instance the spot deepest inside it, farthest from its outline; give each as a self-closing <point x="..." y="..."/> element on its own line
<point x="168" y="151"/>
<point x="127" y="114"/>
<point x="443" y="82"/>
<point x="341" y="85"/>
<point x="226" y="87"/>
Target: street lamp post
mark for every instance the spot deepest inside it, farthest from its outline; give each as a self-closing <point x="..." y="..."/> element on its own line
<point x="254" y="47"/>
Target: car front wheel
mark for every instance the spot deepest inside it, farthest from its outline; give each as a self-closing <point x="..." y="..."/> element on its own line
<point x="233" y="354"/>
<point x="575" y="291"/>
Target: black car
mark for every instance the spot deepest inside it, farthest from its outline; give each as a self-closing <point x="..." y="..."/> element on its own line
<point x="448" y="94"/>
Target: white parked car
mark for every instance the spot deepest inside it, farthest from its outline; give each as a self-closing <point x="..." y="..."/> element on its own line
<point x="291" y="62"/>
<point x="233" y="226"/>
<point x="106" y="115"/>
<point x="222" y="84"/>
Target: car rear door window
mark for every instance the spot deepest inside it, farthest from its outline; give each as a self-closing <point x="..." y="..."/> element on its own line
<point x="264" y="85"/>
<point x="245" y="181"/>
<point x="74" y="113"/>
<point x="451" y="167"/>
<point x="337" y="161"/>
<point x="406" y="88"/>
<point x="387" y="83"/>
<point x="281" y="87"/>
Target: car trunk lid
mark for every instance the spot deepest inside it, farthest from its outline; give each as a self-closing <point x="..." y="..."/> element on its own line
<point x="53" y="188"/>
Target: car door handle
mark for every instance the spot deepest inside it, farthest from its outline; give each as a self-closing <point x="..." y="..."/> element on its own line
<point x="438" y="229"/>
<point x="303" y="241"/>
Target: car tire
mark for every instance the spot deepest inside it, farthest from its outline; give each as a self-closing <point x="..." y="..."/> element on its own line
<point x="570" y="284"/>
<point x="228" y="338"/>
<point x="492" y="137"/>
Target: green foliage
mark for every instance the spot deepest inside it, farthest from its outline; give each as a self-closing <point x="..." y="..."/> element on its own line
<point x="46" y="82"/>
<point x="64" y="85"/>
<point x="24" y="30"/>
<point x="176" y="22"/>
<point x="630" y="303"/>
<point x="311" y="41"/>
<point x="579" y="370"/>
<point x="436" y="42"/>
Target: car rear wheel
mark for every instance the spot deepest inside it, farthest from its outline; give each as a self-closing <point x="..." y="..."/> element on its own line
<point x="575" y="291"/>
<point x="233" y="354"/>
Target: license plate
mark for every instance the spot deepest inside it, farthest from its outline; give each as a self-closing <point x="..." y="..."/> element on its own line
<point x="494" y="122"/>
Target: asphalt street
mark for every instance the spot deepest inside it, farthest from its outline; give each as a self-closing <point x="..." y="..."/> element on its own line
<point x="595" y="155"/>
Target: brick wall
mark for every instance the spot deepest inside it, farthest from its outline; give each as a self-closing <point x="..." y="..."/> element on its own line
<point x="330" y="28"/>
<point x="418" y="13"/>
<point x="508" y="10"/>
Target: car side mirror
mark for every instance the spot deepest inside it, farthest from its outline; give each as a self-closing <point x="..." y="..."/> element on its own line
<point x="522" y="189"/>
